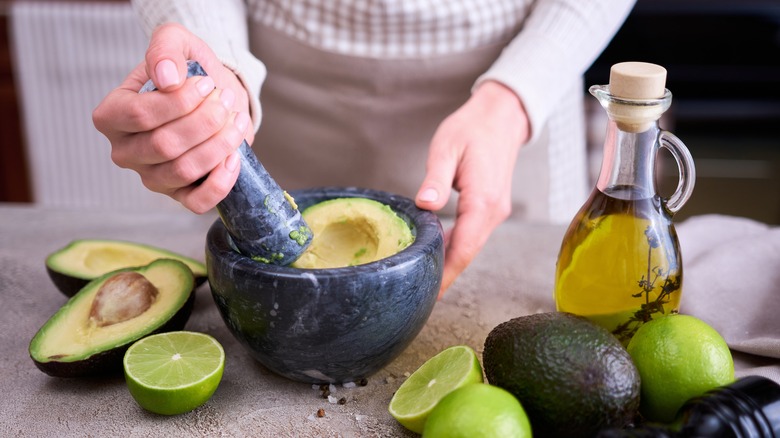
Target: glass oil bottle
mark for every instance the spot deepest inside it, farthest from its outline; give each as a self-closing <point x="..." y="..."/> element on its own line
<point x="619" y="263"/>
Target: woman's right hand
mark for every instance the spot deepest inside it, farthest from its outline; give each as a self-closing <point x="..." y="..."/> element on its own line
<point x="188" y="129"/>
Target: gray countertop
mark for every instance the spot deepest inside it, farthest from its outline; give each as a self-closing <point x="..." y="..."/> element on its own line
<point x="511" y="277"/>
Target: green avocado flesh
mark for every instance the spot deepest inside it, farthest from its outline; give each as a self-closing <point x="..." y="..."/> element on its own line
<point x="81" y="261"/>
<point x="352" y="231"/>
<point x="88" y="335"/>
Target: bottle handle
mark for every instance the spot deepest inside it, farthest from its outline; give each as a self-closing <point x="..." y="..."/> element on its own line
<point x="687" y="171"/>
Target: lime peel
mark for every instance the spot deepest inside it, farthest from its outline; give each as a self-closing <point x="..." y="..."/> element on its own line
<point x="450" y="369"/>
<point x="679" y="357"/>
<point x="478" y="409"/>
<point x="175" y="372"/>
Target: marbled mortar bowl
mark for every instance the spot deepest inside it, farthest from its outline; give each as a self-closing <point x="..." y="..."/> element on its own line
<point x="329" y="325"/>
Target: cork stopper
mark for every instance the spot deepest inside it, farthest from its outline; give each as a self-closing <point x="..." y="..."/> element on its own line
<point x="636" y="95"/>
<point x="637" y="80"/>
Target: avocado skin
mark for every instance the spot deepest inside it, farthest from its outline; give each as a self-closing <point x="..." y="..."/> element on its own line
<point x="70" y="285"/>
<point x="67" y="284"/>
<point x="572" y="377"/>
<point x="109" y="362"/>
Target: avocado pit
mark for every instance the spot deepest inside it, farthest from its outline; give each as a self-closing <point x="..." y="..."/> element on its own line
<point x="89" y="334"/>
<point x="124" y="296"/>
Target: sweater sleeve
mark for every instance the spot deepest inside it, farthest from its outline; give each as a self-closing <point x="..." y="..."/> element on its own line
<point x="223" y="27"/>
<point x="558" y="42"/>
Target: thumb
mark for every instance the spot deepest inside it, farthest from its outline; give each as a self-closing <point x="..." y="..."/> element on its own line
<point x="434" y="192"/>
<point x="166" y="58"/>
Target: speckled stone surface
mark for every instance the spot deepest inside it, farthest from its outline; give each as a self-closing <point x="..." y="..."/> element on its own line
<point x="512" y="276"/>
<point x="260" y="217"/>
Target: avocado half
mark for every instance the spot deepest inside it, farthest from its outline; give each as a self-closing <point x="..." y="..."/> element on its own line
<point x="81" y="261"/>
<point x="351" y="232"/>
<point x="89" y="334"/>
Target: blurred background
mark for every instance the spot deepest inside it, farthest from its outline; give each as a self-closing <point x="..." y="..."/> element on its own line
<point x="59" y="58"/>
<point x="723" y="64"/>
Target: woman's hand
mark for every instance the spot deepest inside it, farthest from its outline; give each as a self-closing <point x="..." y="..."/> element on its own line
<point x="474" y="151"/>
<point x="188" y="129"/>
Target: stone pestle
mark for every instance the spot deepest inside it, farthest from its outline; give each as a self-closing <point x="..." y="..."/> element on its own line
<point x="262" y="219"/>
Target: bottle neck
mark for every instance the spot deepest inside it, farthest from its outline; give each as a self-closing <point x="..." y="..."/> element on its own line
<point x="627" y="168"/>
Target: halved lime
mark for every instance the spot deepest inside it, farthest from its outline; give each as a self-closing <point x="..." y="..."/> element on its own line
<point x="174" y="372"/>
<point x="451" y="369"/>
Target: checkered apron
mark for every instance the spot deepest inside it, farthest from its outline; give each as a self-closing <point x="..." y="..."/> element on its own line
<point x="358" y="107"/>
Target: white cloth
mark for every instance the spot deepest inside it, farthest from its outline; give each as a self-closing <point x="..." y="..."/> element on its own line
<point x="731" y="280"/>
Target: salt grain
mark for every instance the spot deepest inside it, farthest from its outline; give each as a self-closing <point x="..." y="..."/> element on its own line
<point x="332" y="399"/>
<point x="349" y="384"/>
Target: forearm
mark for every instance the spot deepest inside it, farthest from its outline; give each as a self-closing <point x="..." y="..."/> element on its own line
<point x="222" y="26"/>
<point x="557" y="44"/>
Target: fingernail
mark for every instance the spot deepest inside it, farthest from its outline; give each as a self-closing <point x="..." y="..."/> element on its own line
<point x="167" y="74"/>
<point x="428" y="195"/>
<point x="232" y="162"/>
<point x="205" y="86"/>
<point x="227" y="97"/>
<point x="242" y="121"/>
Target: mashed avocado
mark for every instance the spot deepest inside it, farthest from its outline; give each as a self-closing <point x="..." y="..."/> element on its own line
<point x="352" y="231"/>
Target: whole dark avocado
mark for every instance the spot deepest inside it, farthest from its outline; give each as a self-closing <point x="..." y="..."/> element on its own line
<point x="89" y="335"/>
<point x="572" y="377"/>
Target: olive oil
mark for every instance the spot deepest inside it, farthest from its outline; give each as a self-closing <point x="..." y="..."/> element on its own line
<point x="619" y="263"/>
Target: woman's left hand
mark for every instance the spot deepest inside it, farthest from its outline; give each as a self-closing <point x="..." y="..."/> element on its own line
<point x="474" y="151"/>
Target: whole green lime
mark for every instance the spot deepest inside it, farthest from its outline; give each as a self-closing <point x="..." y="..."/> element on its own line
<point x="679" y="357"/>
<point x="478" y="410"/>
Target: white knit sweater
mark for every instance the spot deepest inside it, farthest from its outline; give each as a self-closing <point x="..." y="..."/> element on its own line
<point x="549" y="44"/>
<point x="553" y="41"/>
